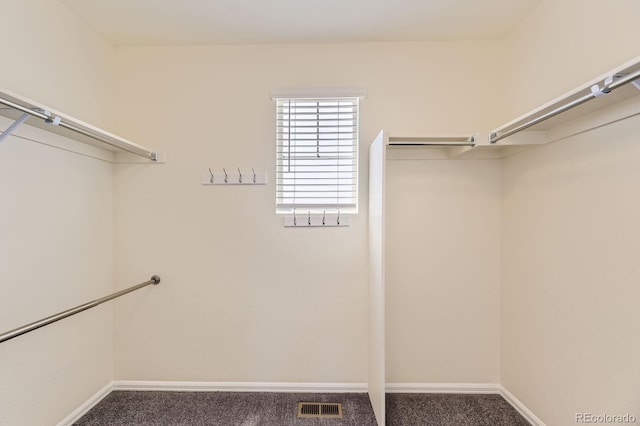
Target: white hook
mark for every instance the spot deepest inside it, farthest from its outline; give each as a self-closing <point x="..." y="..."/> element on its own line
<point x="53" y="121"/>
<point x="239" y="175"/>
<point x="211" y="180"/>
<point x="254" y="175"/>
<point x="596" y="91"/>
<point x="309" y="218"/>
<point x="226" y="177"/>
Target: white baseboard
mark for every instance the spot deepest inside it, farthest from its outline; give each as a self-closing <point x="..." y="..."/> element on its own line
<point x="520" y="407"/>
<point x="467" y="388"/>
<point x="442" y="388"/>
<point x="86" y="406"/>
<point x="239" y="386"/>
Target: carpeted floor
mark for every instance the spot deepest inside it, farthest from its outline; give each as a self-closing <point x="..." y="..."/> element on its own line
<point x="129" y="408"/>
<point x="410" y="409"/>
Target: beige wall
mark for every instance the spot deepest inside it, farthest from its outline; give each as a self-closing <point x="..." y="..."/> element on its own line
<point x="569" y="291"/>
<point x="56" y="220"/>
<point x="52" y="57"/>
<point x="569" y="317"/>
<point x="244" y="299"/>
<point x="564" y="43"/>
<point x="443" y="271"/>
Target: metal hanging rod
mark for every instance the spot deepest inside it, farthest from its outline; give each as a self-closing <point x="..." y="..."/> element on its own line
<point x="64" y="314"/>
<point x="111" y="140"/>
<point x="608" y="87"/>
<point x="432" y="141"/>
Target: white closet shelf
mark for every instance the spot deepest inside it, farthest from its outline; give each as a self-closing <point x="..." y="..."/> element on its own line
<point x="591" y="104"/>
<point x="21" y="109"/>
<point x="612" y="97"/>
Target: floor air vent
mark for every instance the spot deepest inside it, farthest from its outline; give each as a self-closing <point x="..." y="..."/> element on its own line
<point x="320" y="410"/>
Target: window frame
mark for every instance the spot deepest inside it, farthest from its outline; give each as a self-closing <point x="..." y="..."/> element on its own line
<point x="346" y="156"/>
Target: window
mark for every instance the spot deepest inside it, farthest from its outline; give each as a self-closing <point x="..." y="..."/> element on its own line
<point x="317" y="154"/>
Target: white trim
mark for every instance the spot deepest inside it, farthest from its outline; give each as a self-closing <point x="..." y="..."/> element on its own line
<point x="443" y="388"/>
<point x="239" y="386"/>
<point x="319" y="92"/>
<point x="86" y="406"/>
<point x="469" y="388"/>
<point x="520" y="407"/>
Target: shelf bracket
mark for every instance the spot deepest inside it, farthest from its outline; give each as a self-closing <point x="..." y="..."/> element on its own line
<point x="13" y="127"/>
<point x="611" y="79"/>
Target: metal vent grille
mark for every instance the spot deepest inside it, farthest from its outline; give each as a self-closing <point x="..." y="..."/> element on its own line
<point x="320" y="410"/>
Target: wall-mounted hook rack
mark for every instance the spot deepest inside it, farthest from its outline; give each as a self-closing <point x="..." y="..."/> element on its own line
<point x="315" y="220"/>
<point x="238" y="178"/>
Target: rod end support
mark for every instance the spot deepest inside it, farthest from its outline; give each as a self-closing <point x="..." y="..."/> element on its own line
<point x="492" y="138"/>
<point x="155" y="279"/>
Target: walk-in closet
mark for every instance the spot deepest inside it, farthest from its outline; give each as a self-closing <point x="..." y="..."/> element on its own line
<point x="333" y="213"/>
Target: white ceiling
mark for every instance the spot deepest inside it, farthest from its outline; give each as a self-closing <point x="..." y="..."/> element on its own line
<point x="165" y="22"/>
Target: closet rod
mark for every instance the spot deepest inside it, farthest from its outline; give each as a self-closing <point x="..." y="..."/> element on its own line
<point x="112" y="141"/>
<point x="431" y="141"/>
<point x="607" y="88"/>
<point x="64" y="314"/>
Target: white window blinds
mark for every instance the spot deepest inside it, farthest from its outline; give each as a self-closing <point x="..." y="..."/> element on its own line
<point x="317" y="154"/>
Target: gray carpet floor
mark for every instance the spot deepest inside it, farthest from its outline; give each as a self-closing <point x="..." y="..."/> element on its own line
<point x="130" y="408"/>
<point x="410" y="409"/>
